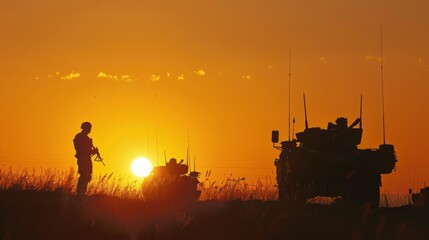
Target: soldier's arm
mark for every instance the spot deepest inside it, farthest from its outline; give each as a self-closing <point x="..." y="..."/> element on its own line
<point x="94" y="150"/>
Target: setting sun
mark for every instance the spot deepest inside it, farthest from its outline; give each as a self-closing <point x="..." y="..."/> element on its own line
<point x="141" y="167"/>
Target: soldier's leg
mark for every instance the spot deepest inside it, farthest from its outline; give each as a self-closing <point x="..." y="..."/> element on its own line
<point x="85" y="172"/>
<point x="82" y="184"/>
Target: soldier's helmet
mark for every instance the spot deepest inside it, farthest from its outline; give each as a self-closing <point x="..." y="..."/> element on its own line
<point x="341" y="121"/>
<point x="172" y="161"/>
<point x="86" y="125"/>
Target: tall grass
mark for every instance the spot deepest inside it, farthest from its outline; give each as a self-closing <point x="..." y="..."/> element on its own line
<point x="53" y="180"/>
<point x="238" y="189"/>
<point x="47" y="180"/>
<point x="127" y="187"/>
<point x="394" y="200"/>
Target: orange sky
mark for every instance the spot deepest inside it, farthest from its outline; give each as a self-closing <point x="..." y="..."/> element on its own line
<point x="148" y="74"/>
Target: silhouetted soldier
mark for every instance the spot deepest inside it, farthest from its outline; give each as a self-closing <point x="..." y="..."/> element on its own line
<point x="176" y="169"/>
<point x="84" y="150"/>
<point x="341" y="124"/>
<point x="339" y="131"/>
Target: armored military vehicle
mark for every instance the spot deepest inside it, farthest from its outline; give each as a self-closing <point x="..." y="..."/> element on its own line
<point x="172" y="182"/>
<point x="327" y="162"/>
<point x="421" y="199"/>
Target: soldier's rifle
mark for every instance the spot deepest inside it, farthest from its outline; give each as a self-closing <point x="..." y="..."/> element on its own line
<point x="98" y="157"/>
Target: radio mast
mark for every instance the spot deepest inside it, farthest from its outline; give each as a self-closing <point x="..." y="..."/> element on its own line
<point x="382" y="82"/>
<point x="290" y="54"/>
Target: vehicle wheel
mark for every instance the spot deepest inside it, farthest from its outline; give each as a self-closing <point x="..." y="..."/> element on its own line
<point x="363" y="190"/>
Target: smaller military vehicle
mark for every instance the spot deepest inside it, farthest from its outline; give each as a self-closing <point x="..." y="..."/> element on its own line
<point x="421" y="199"/>
<point x="172" y="182"/>
<point x="327" y="162"/>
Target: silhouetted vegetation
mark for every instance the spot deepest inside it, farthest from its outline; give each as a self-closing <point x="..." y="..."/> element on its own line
<point x="231" y="188"/>
<point x="44" y="206"/>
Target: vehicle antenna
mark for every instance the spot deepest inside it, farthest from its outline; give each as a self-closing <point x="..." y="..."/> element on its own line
<point x="290" y="57"/>
<point x="293" y="127"/>
<point x="305" y="113"/>
<point x="187" y="158"/>
<point x="360" y="112"/>
<point x="194" y="162"/>
<point x="382" y="82"/>
<point x="189" y="166"/>
<point x="187" y="152"/>
<point x="165" y="157"/>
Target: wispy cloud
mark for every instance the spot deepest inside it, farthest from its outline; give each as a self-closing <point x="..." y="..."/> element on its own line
<point x="69" y="76"/>
<point x="200" y="72"/>
<point x="125" y="78"/>
<point x="181" y="77"/>
<point x="155" y="77"/>
<point x="372" y="58"/>
<point x="323" y="60"/>
<point x="246" y="76"/>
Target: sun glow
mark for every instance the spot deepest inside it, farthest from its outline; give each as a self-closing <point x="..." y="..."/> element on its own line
<point x="141" y="167"/>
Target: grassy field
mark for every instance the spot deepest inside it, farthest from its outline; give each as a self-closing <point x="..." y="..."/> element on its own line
<point x="128" y="187"/>
<point x="43" y="206"/>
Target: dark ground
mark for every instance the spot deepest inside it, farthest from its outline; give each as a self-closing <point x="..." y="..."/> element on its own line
<point x="48" y="215"/>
